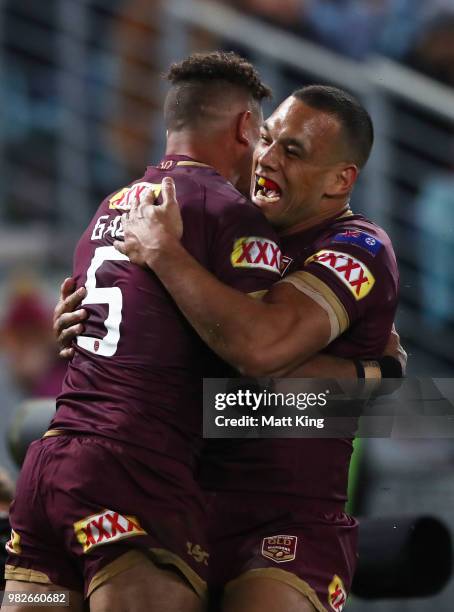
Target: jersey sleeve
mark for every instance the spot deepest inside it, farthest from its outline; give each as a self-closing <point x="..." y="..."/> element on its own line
<point x="244" y="249"/>
<point x="348" y="277"/>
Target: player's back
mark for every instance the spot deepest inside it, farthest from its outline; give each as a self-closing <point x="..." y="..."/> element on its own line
<point x="137" y="372"/>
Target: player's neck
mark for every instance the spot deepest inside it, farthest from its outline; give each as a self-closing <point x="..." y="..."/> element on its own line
<point x="182" y="143"/>
<point x="314" y="220"/>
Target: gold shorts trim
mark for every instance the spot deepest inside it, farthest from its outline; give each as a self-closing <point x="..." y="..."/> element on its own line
<point x="165" y="557"/>
<point x="273" y="573"/>
<point x="119" y="565"/>
<point x="23" y="574"/>
<point x="136" y="557"/>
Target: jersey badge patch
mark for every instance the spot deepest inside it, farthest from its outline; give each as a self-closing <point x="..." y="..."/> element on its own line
<point x="123" y="198"/>
<point x="280" y="548"/>
<point x="13" y="546"/>
<point x="361" y="239"/>
<point x="337" y="595"/>
<point x="351" y="271"/>
<point x="286" y="262"/>
<point x="256" y="252"/>
<point x="106" y="527"/>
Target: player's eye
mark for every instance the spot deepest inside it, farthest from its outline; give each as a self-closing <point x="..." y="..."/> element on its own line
<point x="292" y="152"/>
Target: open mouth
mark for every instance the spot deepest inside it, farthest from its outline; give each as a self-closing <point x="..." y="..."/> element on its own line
<point x="266" y="190"/>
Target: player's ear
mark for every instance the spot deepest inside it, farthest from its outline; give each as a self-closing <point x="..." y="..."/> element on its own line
<point x="243" y="127"/>
<point x="341" y="180"/>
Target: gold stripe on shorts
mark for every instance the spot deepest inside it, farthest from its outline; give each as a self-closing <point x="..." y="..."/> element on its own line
<point x="119" y="565"/>
<point x="165" y="557"/>
<point x="136" y="557"/>
<point x="273" y="573"/>
<point x="24" y="574"/>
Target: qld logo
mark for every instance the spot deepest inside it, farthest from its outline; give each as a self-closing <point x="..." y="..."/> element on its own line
<point x="279" y="548"/>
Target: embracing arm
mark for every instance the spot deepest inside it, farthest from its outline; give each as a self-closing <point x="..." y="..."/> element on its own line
<point x="69" y="318"/>
<point x="267" y="337"/>
<point x="329" y="366"/>
<point x="258" y="338"/>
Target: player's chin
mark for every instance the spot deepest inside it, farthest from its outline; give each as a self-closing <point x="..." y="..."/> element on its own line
<point x="265" y="203"/>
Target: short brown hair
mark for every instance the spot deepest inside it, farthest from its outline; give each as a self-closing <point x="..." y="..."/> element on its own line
<point x="202" y="76"/>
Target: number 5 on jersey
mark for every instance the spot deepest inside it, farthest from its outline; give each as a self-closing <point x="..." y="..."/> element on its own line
<point x="112" y="296"/>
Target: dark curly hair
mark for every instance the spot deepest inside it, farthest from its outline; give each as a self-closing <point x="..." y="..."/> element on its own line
<point x="203" y="79"/>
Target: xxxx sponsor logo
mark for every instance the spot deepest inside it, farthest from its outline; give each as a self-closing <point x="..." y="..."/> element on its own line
<point x="256" y="252"/>
<point x="351" y="271"/>
<point x="279" y="548"/>
<point x="337" y="595"/>
<point x="13" y="546"/>
<point x="122" y="199"/>
<point x="106" y="527"/>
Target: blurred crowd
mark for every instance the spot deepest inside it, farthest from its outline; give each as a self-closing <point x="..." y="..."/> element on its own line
<point x="415" y="32"/>
<point x="29" y="363"/>
<point x="29" y="352"/>
<point x="124" y="38"/>
<point x="120" y="79"/>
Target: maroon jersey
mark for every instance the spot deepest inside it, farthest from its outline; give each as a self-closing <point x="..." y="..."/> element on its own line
<point x="137" y="373"/>
<point x="349" y="263"/>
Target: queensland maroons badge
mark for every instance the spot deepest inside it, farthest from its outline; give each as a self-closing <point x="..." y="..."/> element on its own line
<point x="279" y="548"/>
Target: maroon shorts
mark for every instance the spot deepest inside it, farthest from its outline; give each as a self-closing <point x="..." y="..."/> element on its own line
<point x="87" y="508"/>
<point x="309" y="546"/>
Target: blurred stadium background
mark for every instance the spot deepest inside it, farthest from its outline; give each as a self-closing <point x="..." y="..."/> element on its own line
<point x="80" y="99"/>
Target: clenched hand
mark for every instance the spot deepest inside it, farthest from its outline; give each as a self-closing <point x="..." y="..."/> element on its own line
<point x="150" y="229"/>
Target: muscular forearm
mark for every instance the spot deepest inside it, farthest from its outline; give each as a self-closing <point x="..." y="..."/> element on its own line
<point x="237" y="327"/>
<point x="258" y="338"/>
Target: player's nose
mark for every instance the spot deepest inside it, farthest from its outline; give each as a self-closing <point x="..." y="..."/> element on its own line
<point x="268" y="157"/>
